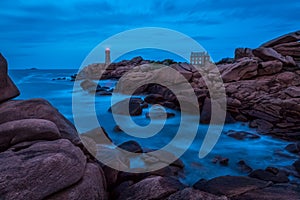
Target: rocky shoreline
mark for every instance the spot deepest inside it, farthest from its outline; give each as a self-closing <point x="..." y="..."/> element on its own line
<point x="43" y="157"/>
<point x="262" y="85"/>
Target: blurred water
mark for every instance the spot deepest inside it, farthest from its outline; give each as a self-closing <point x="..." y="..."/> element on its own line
<point x="258" y="153"/>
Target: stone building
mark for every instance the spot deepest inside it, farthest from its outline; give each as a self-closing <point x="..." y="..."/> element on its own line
<point x="199" y="58"/>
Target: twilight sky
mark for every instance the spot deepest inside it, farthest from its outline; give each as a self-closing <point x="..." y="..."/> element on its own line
<point x="60" y="34"/>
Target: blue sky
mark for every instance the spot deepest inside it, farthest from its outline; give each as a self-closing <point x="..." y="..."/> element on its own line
<point x="60" y="34"/>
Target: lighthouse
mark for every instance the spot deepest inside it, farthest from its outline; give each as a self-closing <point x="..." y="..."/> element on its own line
<point x="107" y="56"/>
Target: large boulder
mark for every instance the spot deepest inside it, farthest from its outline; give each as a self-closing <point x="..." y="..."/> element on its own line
<point x="38" y="109"/>
<point x="38" y="169"/>
<point x="8" y="90"/>
<point x="269" y="54"/>
<point x="289" y="49"/>
<point x="17" y="131"/>
<point x="287" y="38"/>
<point x="269" y="67"/>
<point x="287" y="45"/>
<point x="40" y="151"/>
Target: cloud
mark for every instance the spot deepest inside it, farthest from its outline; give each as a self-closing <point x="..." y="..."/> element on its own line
<point x="39" y="27"/>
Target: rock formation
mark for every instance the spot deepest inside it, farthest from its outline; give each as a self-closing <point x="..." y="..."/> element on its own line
<point x="8" y="90"/>
<point x="40" y="151"/>
<point x="262" y="85"/>
<point x="42" y="156"/>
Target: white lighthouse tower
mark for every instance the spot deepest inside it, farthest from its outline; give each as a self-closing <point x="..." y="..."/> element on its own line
<point x="107" y="56"/>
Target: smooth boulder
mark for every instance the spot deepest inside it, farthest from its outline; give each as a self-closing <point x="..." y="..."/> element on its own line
<point x="17" y="131"/>
<point x="37" y="170"/>
<point x="38" y="109"/>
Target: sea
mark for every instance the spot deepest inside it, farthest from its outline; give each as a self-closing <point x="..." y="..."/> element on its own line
<point x="55" y="85"/>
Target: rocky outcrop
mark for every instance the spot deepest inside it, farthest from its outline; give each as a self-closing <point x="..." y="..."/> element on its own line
<point x="290" y="37"/>
<point x="242" y="53"/>
<point x="262" y="86"/>
<point x="8" y="90"/>
<point x="269" y="54"/>
<point x="246" y="68"/>
<point x="34" y="170"/>
<point x="41" y="154"/>
<point x="286" y="45"/>
<point x="98" y="71"/>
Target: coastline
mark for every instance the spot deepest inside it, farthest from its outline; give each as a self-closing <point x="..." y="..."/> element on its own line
<point x="262" y="77"/>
